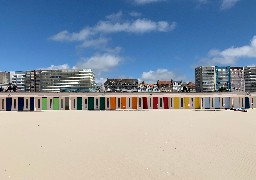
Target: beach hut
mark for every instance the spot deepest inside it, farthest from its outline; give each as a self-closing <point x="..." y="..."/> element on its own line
<point x="134" y="102"/>
<point x="186" y="103"/>
<point x="166" y="102"/>
<point x="91" y="103"/>
<point x="61" y="101"/>
<point x="67" y="103"/>
<point x="253" y="101"/>
<point x="107" y="103"/>
<point x="79" y="103"/>
<point x="128" y="102"/>
<point x="217" y="103"/>
<point x="56" y="103"/>
<point x="73" y="103"/>
<point x="140" y="103"/>
<point x="112" y="103"/>
<point x="32" y="104"/>
<point x="44" y="103"/>
<point x="160" y="103"/>
<point x="123" y="102"/>
<point x="96" y="103"/>
<point x="15" y="104"/>
<point x="176" y="103"/>
<point x="26" y="104"/>
<point x="20" y="103"/>
<point x="145" y="102"/>
<point x="102" y="103"/>
<point x="150" y="102"/>
<point x="118" y="102"/>
<point x="205" y="103"/>
<point x="155" y="102"/>
<point x="247" y="103"/>
<point x="85" y="102"/>
<point x="49" y="103"/>
<point x="195" y="102"/>
<point x="8" y="104"/>
<point x="38" y="103"/>
<point x="235" y="102"/>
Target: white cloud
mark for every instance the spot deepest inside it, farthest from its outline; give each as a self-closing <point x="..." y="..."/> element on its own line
<point x="100" y="63"/>
<point x="135" y="14"/>
<point x="115" y="17"/>
<point x="56" y="67"/>
<point x="67" y="36"/>
<point x="142" y="2"/>
<point x="159" y="74"/>
<point x="227" y="4"/>
<point x="100" y="42"/>
<point x="231" y="55"/>
<point x="136" y="26"/>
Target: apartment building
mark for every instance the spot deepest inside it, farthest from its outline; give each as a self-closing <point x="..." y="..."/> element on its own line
<point x="62" y="80"/>
<point x="250" y="78"/>
<point x="222" y="78"/>
<point x="18" y="79"/>
<point x="237" y="79"/>
<point x="4" y="78"/>
<point x="205" y="79"/>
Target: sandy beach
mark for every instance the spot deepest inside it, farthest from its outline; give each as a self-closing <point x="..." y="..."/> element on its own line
<point x="160" y="144"/>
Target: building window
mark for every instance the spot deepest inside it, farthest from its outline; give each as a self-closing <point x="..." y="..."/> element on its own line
<point x="74" y="103"/>
<point x="2" y="103"/>
<point x="161" y="102"/>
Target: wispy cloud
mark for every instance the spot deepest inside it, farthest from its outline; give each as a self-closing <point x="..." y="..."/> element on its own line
<point x="135" y="14"/>
<point x="142" y="2"/>
<point x="231" y="55"/>
<point x="153" y="76"/>
<point x="227" y="4"/>
<point x="100" y="63"/>
<point x="98" y="36"/>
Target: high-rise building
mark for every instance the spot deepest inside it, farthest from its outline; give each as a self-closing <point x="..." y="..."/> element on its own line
<point x="64" y="80"/>
<point x="4" y="78"/>
<point x="205" y="79"/>
<point x="222" y="78"/>
<point x="237" y="79"/>
<point x="250" y="78"/>
<point x="18" y="79"/>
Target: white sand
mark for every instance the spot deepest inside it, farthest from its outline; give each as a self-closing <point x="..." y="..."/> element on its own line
<point x="172" y="144"/>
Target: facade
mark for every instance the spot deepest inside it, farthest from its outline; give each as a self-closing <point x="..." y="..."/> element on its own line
<point x="222" y="78"/>
<point x="205" y="79"/>
<point x="165" y="86"/>
<point x="18" y="79"/>
<point x="118" y="85"/>
<point x="4" y="78"/>
<point x="63" y="80"/>
<point x="176" y="86"/>
<point x="250" y="78"/>
<point x="237" y="79"/>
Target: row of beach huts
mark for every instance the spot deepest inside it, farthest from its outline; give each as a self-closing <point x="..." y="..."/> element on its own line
<point x="123" y="102"/>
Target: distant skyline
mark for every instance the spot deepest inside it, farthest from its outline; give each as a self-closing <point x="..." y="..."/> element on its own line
<point x="146" y="39"/>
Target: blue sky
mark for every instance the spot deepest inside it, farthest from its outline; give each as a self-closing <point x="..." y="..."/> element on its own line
<point x="145" y="39"/>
